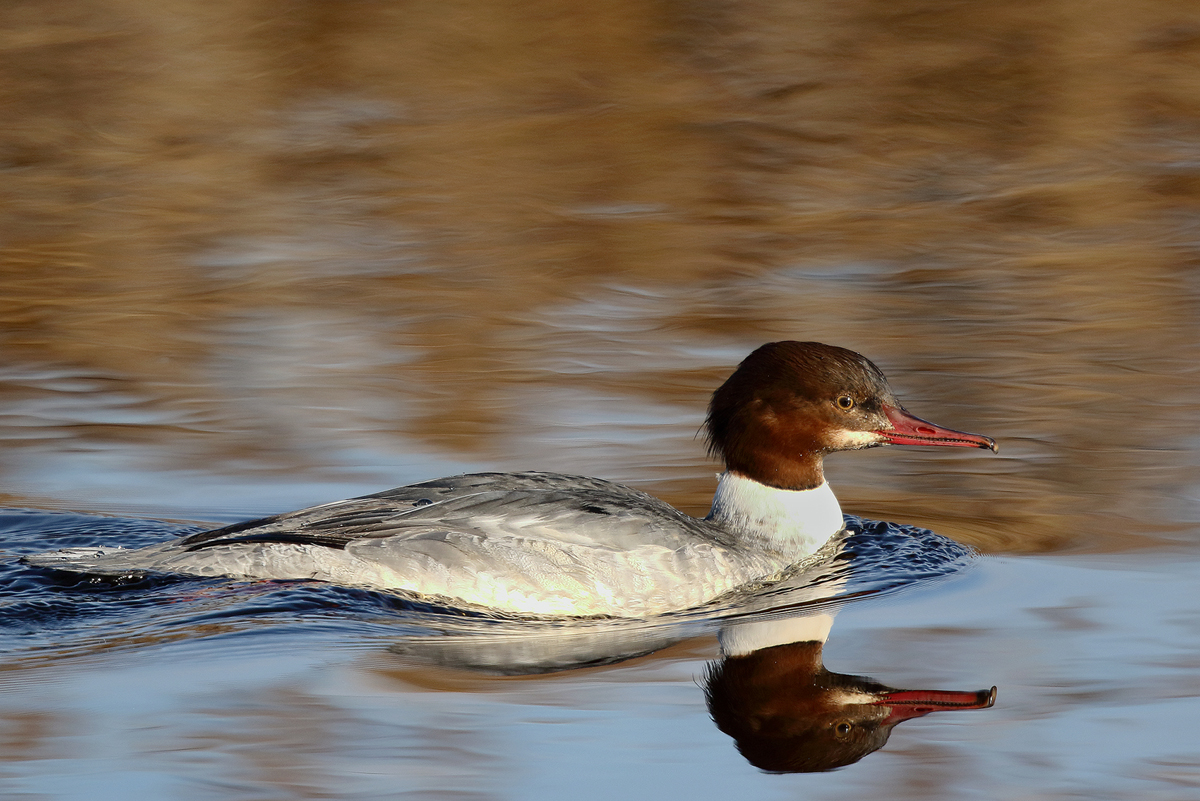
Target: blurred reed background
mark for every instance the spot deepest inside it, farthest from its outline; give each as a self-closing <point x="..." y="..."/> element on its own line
<point x="278" y="243"/>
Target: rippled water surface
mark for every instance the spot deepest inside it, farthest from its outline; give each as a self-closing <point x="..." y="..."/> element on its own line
<point x="259" y="256"/>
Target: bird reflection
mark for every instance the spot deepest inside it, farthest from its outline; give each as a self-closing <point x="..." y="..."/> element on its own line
<point x="769" y="689"/>
<point x="789" y="714"/>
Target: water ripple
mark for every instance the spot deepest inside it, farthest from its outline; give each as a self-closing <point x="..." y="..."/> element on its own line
<point x="45" y="614"/>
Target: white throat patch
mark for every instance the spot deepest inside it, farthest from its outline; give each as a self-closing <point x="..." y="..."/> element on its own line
<point x="794" y="522"/>
<point x="746" y="638"/>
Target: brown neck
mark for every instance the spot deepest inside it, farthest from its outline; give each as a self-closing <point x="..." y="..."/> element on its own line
<point x="787" y="660"/>
<point x="774" y="470"/>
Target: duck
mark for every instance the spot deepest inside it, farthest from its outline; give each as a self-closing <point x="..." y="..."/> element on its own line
<point x="787" y="713"/>
<point x="553" y="545"/>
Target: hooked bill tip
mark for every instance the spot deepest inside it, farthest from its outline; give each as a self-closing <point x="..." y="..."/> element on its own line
<point x="908" y="429"/>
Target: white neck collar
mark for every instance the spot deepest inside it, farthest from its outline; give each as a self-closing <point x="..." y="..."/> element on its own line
<point x="793" y="522"/>
<point x="738" y="639"/>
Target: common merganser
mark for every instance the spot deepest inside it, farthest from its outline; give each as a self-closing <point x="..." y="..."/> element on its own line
<point x="771" y="692"/>
<point x="546" y="544"/>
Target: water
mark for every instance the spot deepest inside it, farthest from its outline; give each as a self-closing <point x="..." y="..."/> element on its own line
<point x="258" y="258"/>
<point x="126" y="638"/>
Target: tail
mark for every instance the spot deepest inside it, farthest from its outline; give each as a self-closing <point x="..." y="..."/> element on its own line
<point x="100" y="561"/>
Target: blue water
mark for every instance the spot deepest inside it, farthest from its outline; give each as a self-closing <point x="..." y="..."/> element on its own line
<point x="52" y="614"/>
<point x="203" y="688"/>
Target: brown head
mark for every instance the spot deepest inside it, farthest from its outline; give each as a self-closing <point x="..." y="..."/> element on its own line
<point x="788" y="714"/>
<point x="790" y="403"/>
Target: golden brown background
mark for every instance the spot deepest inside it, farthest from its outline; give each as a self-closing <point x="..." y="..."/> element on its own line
<point x="290" y="238"/>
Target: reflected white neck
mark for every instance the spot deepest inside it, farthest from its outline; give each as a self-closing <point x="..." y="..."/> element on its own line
<point x="738" y="639"/>
<point x="793" y="522"/>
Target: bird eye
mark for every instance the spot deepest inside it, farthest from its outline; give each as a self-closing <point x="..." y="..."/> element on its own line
<point x="843" y="729"/>
<point x="845" y="402"/>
